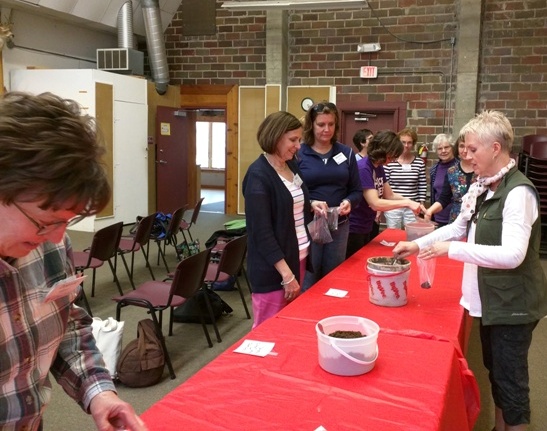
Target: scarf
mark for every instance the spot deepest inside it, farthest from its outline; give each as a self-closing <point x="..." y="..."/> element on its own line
<point x="469" y="200"/>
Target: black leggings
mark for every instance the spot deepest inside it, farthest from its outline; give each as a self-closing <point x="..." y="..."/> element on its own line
<point x="505" y="356"/>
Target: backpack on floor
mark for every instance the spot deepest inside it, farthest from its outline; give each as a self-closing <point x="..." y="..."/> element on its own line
<point x="189" y="311"/>
<point x="142" y="361"/>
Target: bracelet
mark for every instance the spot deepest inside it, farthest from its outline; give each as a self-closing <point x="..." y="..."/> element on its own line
<point x="289" y="281"/>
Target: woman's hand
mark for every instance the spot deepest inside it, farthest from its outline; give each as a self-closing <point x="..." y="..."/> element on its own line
<point x="405" y="249"/>
<point x="417" y="207"/>
<point x="319" y="207"/>
<point x="292" y="290"/>
<point x="435" y="250"/>
<point x="110" y="413"/>
<point x="344" y="208"/>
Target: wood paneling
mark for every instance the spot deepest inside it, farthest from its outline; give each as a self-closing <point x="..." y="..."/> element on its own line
<point x="104" y="103"/>
<point x="222" y="97"/>
<point x="296" y="94"/>
<point x="251" y="112"/>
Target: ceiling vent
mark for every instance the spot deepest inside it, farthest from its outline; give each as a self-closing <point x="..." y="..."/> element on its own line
<point x="121" y="60"/>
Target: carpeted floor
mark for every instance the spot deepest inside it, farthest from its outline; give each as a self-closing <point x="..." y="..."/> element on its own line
<point x="189" y="351"/>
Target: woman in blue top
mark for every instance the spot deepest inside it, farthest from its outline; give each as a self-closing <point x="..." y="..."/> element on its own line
<point x="456" y="183"/>
<point x="378" y="195"/>
<point x="442" y="144"/>
<point x="329" y="170"/>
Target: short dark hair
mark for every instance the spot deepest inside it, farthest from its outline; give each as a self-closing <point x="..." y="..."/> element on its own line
<point x="384" y="144"/>
<point x="50" y="152"/>
<point x="360" y="137"/>
<point x="273" y="127"/>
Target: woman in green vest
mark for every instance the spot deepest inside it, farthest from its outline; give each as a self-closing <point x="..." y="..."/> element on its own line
<point x="503" y="284"/>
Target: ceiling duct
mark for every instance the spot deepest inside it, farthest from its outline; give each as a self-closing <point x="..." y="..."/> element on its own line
<point x="156" y="44"/>
<point x="124" y="59"/>
<point x="125" y="26"/>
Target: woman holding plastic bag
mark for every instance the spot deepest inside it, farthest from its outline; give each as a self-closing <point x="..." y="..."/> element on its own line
<point x="277" y="211"/>
<point x="378" y="195"/>
<point x="329" y="169"/>
<point x="503" y="284"/>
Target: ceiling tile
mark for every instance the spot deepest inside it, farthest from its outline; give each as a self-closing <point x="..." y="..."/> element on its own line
<point x="91" y="10"/>
<point x="59" y="5"/>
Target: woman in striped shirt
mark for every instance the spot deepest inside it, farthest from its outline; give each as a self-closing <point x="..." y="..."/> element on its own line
<point x="277" y="211"/>
<point x="406" y="176"/>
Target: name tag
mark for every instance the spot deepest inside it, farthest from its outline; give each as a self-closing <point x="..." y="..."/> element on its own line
<point x="297" y="181"/>
<point x="406" y="167"/>
<point x="68" y="287"/>
<point x="340" y="158"/>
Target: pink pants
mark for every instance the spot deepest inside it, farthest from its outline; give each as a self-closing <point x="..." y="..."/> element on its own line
<point x="266" y="305"/>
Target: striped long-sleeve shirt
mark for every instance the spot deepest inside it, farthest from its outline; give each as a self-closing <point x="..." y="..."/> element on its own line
<point x="408" y="180"/>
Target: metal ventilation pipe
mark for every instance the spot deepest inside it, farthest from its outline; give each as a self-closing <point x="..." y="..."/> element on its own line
<point x="125" y="26"/>
<point x="156" y="44"/>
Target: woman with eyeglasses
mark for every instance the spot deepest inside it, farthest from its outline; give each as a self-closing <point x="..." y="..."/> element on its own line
<point x="51" y="176"/>
<point x="458" y="178"/>
<point x="442" y="144"/>
<point x="377" y="192"/>
<point x="329" y="169"/>
<point x="406" y="176"/>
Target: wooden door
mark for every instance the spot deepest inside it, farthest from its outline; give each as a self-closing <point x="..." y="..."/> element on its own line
<point x="175" y="158"/>
<point x="373" y="116"/>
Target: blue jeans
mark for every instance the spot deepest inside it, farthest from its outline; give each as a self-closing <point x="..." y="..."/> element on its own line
<point x="326" y="257"/>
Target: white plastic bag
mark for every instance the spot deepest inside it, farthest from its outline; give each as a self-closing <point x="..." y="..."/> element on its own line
<point x="108" y="335"/>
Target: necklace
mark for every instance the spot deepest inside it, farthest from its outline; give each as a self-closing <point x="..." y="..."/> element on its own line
<point x="282" y="169"/>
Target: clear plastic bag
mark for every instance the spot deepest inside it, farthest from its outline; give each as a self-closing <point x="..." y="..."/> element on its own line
<point x="319" y="230"/>
<point x="427" y="272"/>
<point x="332" y="217"/>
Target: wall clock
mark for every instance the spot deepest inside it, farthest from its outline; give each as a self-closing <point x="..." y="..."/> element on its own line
<point x="306" y="103"/>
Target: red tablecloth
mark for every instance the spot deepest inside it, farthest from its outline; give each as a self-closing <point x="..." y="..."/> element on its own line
<point x="420" y="381"/>
<point x="415" y="385"/>
<point x="435" y="310"/>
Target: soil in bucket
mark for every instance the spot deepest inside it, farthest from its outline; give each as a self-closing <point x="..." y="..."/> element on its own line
<point x="388" y="281"/>
<point x="350" y="356"/>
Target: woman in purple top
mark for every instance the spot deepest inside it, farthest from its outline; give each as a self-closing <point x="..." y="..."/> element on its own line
<point x="384" y="147"/>
<point x="442" y="144"/>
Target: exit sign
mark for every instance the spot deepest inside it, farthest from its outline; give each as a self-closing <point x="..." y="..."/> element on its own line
<point x="369" y="72"/>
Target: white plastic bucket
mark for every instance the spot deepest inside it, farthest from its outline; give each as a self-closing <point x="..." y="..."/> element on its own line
<point x="418" y="229"/>
<point x="387" y="281"/>
<point x="347" y="356"/>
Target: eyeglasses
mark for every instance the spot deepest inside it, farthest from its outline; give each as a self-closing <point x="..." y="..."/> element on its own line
<point x="44" y="229"/>
<point x="320" y="107"/>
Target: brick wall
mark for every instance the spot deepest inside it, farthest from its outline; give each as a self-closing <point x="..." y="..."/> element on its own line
<point x="417" y="63"/>
<point x="514" y="63"/>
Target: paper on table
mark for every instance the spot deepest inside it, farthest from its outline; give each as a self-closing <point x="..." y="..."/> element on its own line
<point x="387" y="243"/>
<point x="255" y="348"/>
<point x="338" y="293"/>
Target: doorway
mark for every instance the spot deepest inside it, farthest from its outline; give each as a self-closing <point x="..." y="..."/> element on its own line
<point x="378" y="116"/>
<point x="211" y="158"/>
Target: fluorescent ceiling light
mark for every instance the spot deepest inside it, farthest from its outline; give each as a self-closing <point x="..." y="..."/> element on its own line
<point x="293" y="4"/>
